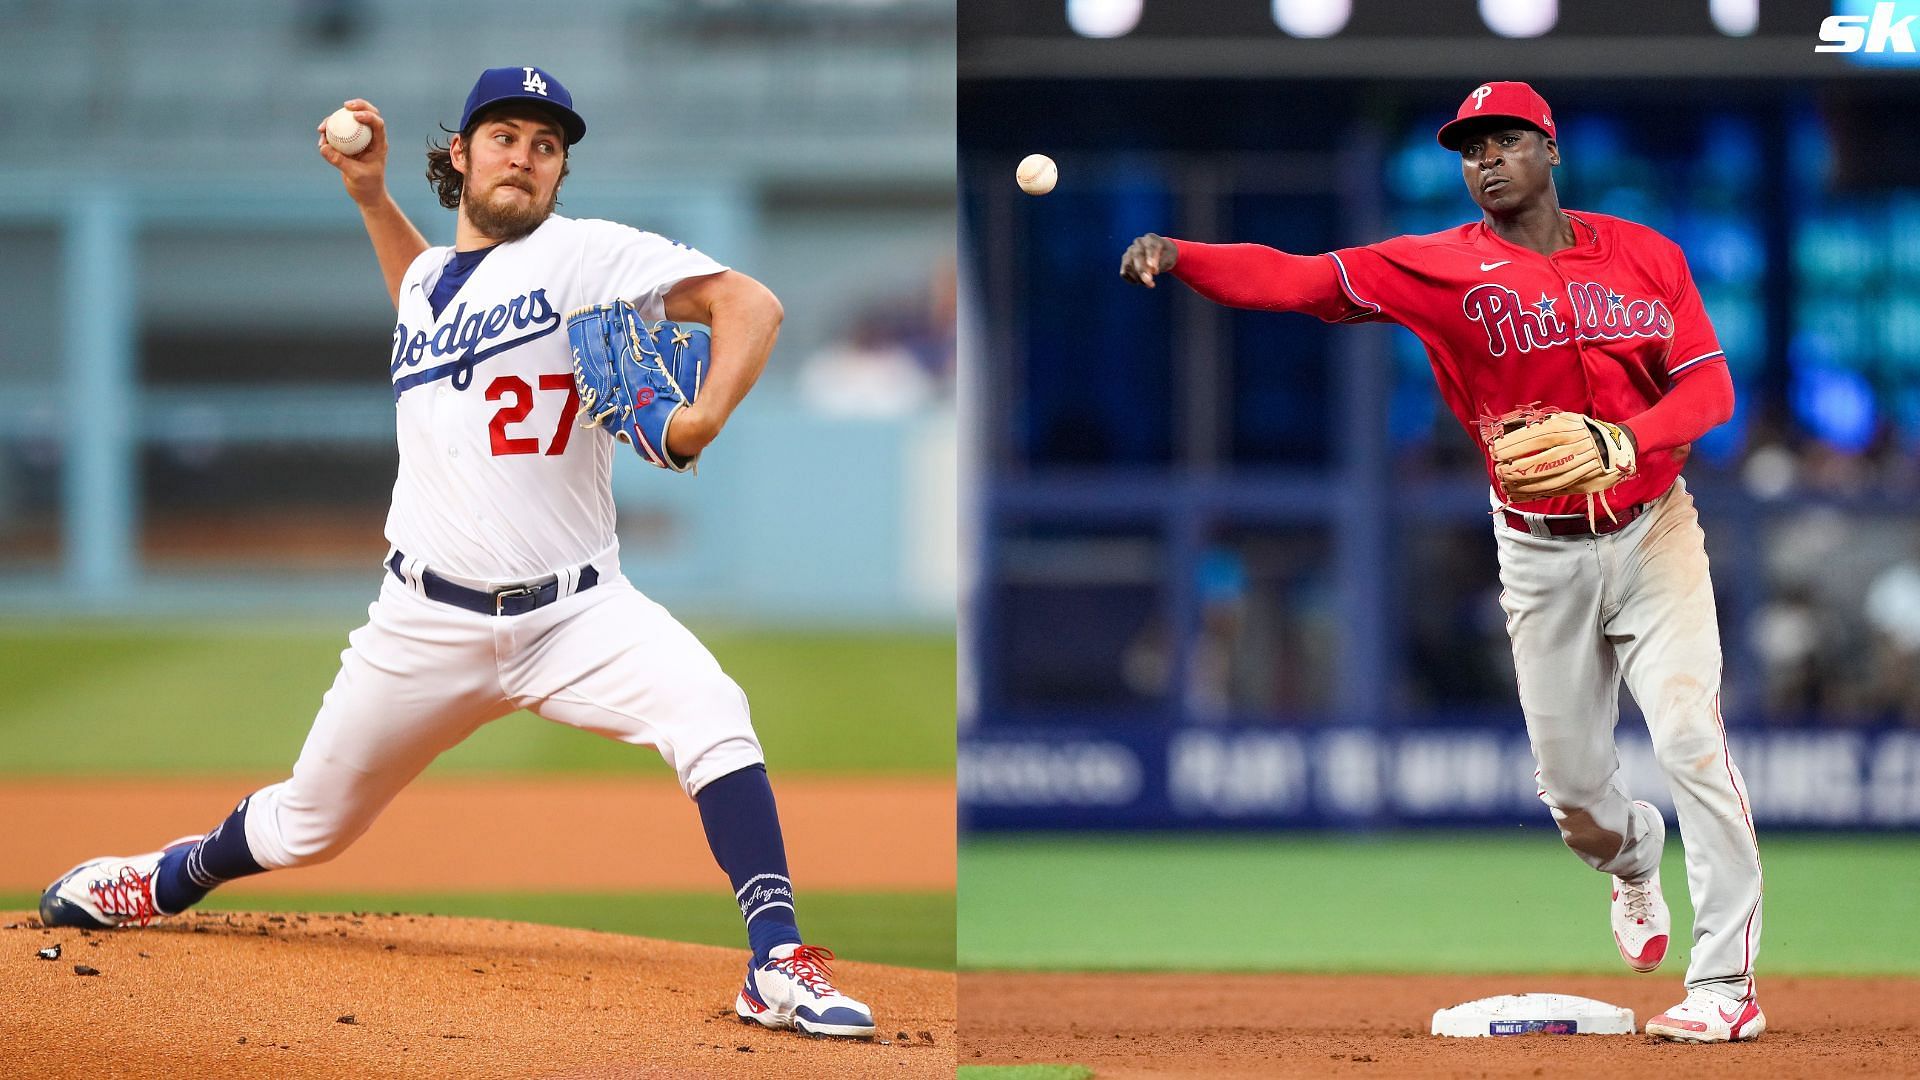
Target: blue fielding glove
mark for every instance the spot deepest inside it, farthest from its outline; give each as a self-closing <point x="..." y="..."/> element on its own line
<point x="633" y="377"/>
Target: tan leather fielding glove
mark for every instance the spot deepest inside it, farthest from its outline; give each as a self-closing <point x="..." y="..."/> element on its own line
<point x="1538" y="454"/>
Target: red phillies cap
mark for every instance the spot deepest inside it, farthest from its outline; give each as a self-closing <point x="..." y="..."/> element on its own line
<point x="1506" y="100"/>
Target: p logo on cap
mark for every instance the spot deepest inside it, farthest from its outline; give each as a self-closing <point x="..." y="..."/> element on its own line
<point x="1506" y="100"/>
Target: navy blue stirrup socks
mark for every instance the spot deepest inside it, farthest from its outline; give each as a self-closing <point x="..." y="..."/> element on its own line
<point x="187" y="875"/>
<point x="743" y="829"/>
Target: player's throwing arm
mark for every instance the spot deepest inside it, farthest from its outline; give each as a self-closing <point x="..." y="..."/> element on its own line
<point x="396" y="243"/>
<point x="1147" y="256"/>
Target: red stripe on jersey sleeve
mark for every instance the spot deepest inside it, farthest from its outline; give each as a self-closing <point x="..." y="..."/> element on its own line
<point x="1696" y="404"/>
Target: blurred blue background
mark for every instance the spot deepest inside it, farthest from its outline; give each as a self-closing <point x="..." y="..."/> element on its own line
<point x="1269" y="535"/>
<point x="192" y="326"/>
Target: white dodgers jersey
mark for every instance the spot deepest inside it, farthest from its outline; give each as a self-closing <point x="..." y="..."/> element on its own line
<point x="497" y="481"/>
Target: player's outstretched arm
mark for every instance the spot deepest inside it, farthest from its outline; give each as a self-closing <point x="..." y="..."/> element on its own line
<point x="1146" y="256"/>
<point x="1243" y="275"/>
<point x="396" y="243"/>
<point x="744" y="316"/>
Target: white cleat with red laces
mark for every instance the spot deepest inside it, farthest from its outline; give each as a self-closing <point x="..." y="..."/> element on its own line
<point x="791" y="990"/>
<point x="1642" y="925"/>
<point x="108" y="892"/>
<point x="1707" y="1017"/>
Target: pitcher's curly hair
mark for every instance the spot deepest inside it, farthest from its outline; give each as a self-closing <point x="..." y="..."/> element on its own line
<point x="447" y="181"/>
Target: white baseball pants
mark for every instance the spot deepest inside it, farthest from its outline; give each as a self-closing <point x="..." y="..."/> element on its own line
<point x="421" y="676"/>
<point x="1583" y="613"/>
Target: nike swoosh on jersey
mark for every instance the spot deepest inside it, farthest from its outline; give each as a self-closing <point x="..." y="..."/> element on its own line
<point x="1484" y="267"/>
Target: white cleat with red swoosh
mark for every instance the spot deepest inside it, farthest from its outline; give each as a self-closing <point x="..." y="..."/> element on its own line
<point x="1642" y="925"/>
<point x="1709" y="1017"/>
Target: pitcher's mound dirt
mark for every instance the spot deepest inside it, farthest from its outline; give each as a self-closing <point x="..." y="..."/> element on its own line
<point x="219" y="994"/>
<point x="1164" y="1025"/>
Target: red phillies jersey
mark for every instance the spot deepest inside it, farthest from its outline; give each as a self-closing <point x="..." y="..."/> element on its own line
<point x="1602" y="328"/>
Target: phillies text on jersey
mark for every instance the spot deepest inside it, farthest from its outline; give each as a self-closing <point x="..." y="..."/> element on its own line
<point x="1594" y="313"/>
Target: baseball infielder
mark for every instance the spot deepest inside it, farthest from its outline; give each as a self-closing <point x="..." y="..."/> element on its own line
<point x="1576" y="347"/>
<point x="503" y="589"/>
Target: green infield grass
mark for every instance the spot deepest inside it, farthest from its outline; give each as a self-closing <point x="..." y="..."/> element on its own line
<point x="1439" y="902"/>
<point x="906" y="929"/>
<point x="138" y="698"/>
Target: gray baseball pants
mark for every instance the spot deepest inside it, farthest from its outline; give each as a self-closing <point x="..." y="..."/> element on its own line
<point x="1585" y="613"/>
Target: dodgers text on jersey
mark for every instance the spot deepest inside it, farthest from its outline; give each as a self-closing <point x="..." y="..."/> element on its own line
<point x="462" y="336"/>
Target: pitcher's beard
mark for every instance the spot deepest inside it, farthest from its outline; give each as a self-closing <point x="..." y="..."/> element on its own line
<point x="509" y="219"/>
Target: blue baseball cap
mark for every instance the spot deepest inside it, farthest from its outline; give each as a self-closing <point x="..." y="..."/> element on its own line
<point x="496" y="85"/>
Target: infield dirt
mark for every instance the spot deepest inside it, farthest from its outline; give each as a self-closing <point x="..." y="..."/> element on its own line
<point x="445" y="834"/>
<point x="1191" y="1025"/>
<point x="230" y="995"/>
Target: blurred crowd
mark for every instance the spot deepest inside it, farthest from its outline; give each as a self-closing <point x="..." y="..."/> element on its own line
<point x="894" y="358"/>
<point x="1837" y="638"/>
<point x="1816" y="557"/>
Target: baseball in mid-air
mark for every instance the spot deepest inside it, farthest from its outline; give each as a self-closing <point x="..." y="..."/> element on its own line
<point x="348" y="135"/>
<point x="1037" y="174"/>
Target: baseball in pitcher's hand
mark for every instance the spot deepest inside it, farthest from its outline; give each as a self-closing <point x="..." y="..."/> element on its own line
<point x="1147" y="256"/>
<point x="365" y="173"/>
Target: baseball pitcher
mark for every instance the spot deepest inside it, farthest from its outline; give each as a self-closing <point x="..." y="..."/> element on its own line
<point x="1574" y="347"/>
<point x="503" y="588"/>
